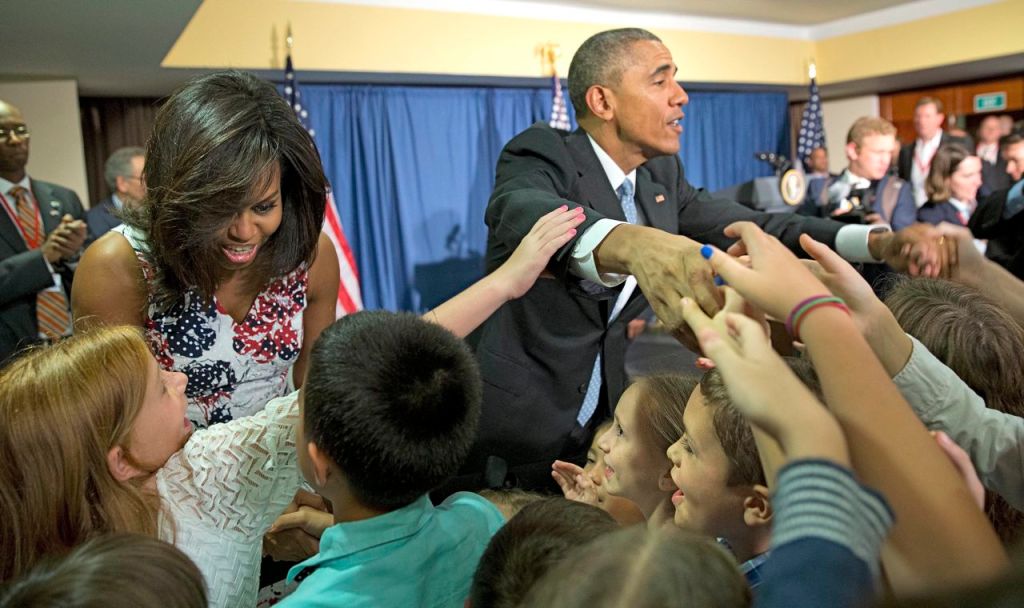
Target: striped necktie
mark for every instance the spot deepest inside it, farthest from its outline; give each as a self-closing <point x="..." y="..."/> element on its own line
<point x="593" y="394"/>
<point x="53" y="316"/>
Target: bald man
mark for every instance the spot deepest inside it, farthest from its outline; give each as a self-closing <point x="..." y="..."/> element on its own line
<point x="41" y="235"/>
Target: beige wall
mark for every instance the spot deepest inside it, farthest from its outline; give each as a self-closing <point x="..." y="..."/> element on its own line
<point x="50" y="108"/>
<point x="331" y="36"/>
<point x="837" y="116"/>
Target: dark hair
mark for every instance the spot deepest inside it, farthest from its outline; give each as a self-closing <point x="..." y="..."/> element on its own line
<point x="112" y="571"/>
<point x="214" y="146"/>
<point x="510" y="501"/>
<point x="530" y="544"/>
<point x="979" y="341"/>
<point x="394" y="401"/>
<point x="1010" y="139"/>
<point x="600" y="60"/>
<point x="944" y="164"/>
<point x="733" y="430"/>
<point x="643" y="568"/>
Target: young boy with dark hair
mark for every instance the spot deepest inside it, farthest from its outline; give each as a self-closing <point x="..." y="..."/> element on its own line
<point x="389" y="409"/>
<point x="530" y="544"/>
<point x="723" y="491"/>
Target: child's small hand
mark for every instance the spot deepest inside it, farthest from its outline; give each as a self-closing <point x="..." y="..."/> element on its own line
<point x="775" y="282"/>
<point x="575" y="484"/>
<point x="843" y="280"/>
<point x="963" y="464"/>
<point x="551" y="232"/>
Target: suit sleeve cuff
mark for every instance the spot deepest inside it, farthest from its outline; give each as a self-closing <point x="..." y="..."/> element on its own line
<point x="852" y="242"/>
<point x="583" y="264"/>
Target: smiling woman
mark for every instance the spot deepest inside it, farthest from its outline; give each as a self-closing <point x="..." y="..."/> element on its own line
<point x="223" y="264"/>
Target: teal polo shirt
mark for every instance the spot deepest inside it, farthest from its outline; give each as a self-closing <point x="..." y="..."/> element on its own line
<point x="419" y="555"/>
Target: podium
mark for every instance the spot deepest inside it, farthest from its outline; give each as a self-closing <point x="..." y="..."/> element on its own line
<point x="770" y="193"/>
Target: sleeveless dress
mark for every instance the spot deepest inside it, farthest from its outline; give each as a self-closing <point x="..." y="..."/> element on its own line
<point x="233" y="369"/>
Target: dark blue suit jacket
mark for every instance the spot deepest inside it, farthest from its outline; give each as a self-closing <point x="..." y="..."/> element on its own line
<point x="101" y="218"/>
<point x="936" y="212"/>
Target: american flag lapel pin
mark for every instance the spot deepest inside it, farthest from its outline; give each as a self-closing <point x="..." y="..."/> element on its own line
<point x="660" y="198"/>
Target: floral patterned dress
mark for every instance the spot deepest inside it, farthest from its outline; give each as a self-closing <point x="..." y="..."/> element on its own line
<point x="233" y="369"/>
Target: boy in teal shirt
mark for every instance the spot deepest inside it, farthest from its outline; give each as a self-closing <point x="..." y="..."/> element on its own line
<point x="389" y="410"/>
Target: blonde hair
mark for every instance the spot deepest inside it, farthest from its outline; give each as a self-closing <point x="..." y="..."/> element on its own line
<point x="868" y="125"/>
<point x="61" y="410"/>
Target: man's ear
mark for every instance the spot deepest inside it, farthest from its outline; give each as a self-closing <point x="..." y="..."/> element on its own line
<point x="321" y="464"/>
<point x="757" y="507"/>
<point x="600" y="102"/>
<point x="665" y="483"/>
<point x="851" y="151"/>
<point x="120" y="465"/>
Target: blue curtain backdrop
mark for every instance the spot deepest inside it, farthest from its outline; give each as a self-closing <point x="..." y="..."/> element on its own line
<point x="412" y="169"/>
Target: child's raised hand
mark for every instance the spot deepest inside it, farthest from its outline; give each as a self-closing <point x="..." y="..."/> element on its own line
<point x="575" y="483"/>
<point x="963" y="464"/>
<point x="551" y="232"/>
<point x="775" y="282"/>
<point x="842" y="279"/>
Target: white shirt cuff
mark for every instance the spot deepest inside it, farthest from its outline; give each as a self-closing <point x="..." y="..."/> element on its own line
<point x="852" y="242"/>
<point x="583" y="264"/>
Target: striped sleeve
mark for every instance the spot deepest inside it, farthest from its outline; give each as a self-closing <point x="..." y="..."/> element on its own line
<point x="817" y="499"/>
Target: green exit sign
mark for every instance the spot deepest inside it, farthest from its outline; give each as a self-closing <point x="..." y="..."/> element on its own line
<point x="989" y="102"/>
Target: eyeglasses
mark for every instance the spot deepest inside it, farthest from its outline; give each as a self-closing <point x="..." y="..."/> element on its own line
<point x="20" y="130"/>
<point x="139" y="178"/>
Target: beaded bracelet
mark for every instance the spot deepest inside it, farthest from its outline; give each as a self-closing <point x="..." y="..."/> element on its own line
<point x="800" y="311"/>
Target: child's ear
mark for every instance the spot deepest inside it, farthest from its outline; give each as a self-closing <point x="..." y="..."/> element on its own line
<point x="757" y="507"/>
<point x="119" y="464"/>
<point x="321" y="464"/>
<point x="665" y="483"/>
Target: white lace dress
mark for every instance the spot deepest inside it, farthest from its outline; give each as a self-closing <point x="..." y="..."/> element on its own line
<point x="224" y="489"/>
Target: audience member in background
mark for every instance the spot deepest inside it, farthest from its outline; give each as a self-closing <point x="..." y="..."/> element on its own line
<point x="111" y="571"/>
<point x="1005" y="125"/>
<point x="993" y="166"/>
<point x="952" y="186"/>
<point x="941" y="538"/>
<point x="643" y="568"/>
<point x="716" y="466"/>
<point x="510" y="501"/>
<point x="864" y="192"/>
<point x="388" y="412"/>
<point x="648" y="419"/>
<point x="530" y="544"/>
<point x="588" y="484"/>
<point x="817" y="164"/>
<point x="979" y="341"/>
<point x="41" y="234"/>
<point x="998" y="217"/>
<point x="123" y="174"/>
<point x="916" y="158"/>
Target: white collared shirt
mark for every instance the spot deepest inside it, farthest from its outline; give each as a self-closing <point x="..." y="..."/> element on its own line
<point x="921" y="163"/>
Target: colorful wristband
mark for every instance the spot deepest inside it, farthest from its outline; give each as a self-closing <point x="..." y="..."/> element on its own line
<point x="800" y="311"/>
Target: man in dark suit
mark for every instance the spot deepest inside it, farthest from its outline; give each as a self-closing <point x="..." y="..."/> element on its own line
<point x="993" y="166"/>
<point x="916" y="157"/>
<point x="41" y="234"/>
<point x="552" y="361"/>
<point x="123" y="174"/>
<point x="999" y="217"/>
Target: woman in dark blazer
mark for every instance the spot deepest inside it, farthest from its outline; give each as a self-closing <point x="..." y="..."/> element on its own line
<point x="952" y="186"/>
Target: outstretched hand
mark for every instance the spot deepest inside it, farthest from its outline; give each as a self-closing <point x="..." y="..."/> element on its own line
<point x="775" y="281"/>
<point x="574" y="482"/>
<point x="552" y="231"/>
<point x="918" y="249"/>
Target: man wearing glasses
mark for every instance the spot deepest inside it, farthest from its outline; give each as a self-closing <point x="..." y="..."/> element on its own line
<point x="41" y="235"/>
<point x="123" y="174"/>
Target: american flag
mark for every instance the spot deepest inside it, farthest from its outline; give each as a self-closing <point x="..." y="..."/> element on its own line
<point x="812" y="131"/>
<point x="349" y="297"/>
<point x="559" y="115"/>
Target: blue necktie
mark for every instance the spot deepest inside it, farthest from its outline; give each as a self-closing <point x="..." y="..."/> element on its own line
<point x="593" y="395"/>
